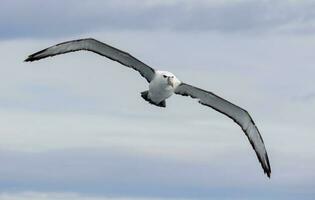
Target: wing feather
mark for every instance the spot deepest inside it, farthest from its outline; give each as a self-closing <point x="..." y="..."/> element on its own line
<point x="239" y="115"/>
<point x="100" y="48"/>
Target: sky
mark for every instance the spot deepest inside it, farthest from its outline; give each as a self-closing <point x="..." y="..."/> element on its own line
<point x="75" y="126"/>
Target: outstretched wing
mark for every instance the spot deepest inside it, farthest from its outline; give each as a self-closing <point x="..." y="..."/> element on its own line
<point x="239" y="115"/>
<point x="100" y="48"/>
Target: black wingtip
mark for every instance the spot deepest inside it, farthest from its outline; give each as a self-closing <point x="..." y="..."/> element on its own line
<point x="33" y="57"/>
<point x="268" y="171"/>
<point x="29" y="59"/>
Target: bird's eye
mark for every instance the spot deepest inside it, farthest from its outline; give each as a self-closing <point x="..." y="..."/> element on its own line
<point x="164" y="76"/>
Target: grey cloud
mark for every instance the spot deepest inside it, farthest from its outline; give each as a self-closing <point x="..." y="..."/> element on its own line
<point x="67" y="196"/>
<point x="113" y="172"/>
<point x="49" y="101"/>
<point x="109" y="172"/>
<point x="304" y="98"/>
<point x="37" y="18"/>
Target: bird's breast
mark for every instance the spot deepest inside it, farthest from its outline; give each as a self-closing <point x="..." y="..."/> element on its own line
<point x="159" y="91"/>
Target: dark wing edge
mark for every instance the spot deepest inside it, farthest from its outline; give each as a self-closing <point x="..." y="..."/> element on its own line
<point x="90" y="44"/>
<point x="197" y="93"/>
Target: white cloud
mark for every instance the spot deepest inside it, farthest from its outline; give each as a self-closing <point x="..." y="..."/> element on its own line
<point x="66" y="196"/>
<point x="70" y="102"/>
<point x="50" y="99"/>
<point x="243" y="17"/>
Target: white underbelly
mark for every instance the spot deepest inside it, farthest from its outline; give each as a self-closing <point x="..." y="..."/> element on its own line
<point x="158" y="93"/>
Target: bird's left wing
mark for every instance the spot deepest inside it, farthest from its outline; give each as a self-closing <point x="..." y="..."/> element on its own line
<point x="239" y="115"/>
<point x="90" y="44"/>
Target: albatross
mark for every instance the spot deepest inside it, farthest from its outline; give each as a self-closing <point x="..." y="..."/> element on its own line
<point x="162" y="85"/>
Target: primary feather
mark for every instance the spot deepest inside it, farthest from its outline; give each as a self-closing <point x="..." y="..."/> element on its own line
<point x="98" y="47"/>
<point x="239" y="115"/>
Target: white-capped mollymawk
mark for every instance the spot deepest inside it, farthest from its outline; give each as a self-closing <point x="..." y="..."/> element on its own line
<point x="163" y="84"/>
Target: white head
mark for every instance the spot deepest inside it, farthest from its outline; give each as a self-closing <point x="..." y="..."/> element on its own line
<point x="169" y="78"/>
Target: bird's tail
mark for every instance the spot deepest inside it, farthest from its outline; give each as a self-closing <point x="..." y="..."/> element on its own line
<point x="145" y="96"/>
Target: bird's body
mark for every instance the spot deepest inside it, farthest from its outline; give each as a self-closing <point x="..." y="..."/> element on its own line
<point x="163" y="84"/>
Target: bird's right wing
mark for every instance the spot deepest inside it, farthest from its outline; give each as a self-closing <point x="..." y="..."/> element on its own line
<point x="239" y="115"/>
<point x="100" y="48"/>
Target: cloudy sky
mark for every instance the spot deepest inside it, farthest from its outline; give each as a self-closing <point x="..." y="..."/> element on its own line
<point x="75" y="126"/>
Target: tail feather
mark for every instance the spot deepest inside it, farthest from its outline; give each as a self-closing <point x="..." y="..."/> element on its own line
<point x="145" y="96"/>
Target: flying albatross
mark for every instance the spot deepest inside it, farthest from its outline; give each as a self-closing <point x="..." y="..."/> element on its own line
<point x="162" y="85"/>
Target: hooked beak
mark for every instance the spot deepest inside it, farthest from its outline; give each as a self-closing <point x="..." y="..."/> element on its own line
<point x="170" y="81"/>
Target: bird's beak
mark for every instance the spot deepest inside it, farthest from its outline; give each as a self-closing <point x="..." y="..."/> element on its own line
<point x="170" y="81"/>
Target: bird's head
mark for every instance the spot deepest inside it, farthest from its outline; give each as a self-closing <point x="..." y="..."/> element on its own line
<point x="169" y="78"/>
